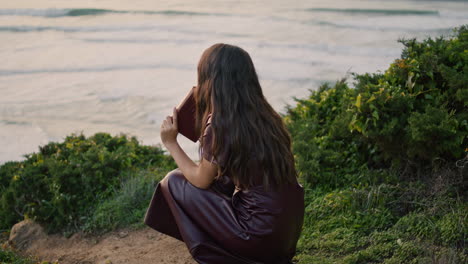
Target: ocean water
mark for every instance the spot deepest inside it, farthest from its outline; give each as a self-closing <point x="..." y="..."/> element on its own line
<point x="119" y="66"/>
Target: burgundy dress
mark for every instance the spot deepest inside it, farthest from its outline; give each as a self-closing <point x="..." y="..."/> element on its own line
<point x="226" y="225"/>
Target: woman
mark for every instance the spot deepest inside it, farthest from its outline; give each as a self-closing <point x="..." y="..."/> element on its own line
<point x="242" y="202"/>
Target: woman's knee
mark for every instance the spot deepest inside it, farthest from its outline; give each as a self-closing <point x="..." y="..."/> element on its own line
<point x="173" y="184"/>
<point x="171" y="176"/>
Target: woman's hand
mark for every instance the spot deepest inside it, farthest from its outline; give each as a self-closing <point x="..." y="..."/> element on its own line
<point x="200" y="175"/>
<point x="169" y="129"/>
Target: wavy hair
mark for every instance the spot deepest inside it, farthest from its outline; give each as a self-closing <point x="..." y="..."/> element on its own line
<point x="229" y="89"/>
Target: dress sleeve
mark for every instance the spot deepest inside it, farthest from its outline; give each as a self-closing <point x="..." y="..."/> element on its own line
<point x="206" y="152"/>
<point x="206" y="149"/>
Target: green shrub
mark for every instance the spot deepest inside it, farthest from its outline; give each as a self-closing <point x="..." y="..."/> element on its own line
<point x="421" y="98"/>
<point x="60" y="185"/>
<point x="416" y="224"/>
<point x="10" y="257"/>
<point x="128" y="205"/>
<point x="321" y="141"/>
<point x="387" y="119"/>
<point x="383" y="162"/>
<point x="453" y="227"/>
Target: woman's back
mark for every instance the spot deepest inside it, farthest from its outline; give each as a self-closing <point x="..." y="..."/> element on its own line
<point x="270" y="219"/>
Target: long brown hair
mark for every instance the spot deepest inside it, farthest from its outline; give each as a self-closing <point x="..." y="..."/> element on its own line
<point x="229" y="89"/>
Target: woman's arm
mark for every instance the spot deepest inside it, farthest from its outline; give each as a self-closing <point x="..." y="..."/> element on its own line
<point x="201" y="175"/>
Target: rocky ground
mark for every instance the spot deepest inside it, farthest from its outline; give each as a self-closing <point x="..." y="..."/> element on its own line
<point x="143" y="246"/>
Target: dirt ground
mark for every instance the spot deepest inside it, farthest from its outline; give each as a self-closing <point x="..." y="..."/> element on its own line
<point x="143" y="246"/>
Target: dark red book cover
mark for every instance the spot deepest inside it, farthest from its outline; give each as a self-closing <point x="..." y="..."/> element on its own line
<point x="186" y="117"/>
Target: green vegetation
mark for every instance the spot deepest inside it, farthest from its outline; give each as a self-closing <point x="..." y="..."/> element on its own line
<point x="127" y="206"/>
<point x="10" y="257"/>
<point x="62" y="185"/>
<point x="383" y="164"/>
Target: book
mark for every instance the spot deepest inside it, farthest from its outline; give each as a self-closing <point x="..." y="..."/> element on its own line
<point x="186" y="117"/>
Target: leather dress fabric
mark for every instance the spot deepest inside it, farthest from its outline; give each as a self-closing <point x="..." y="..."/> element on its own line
<point x="224" y="224"/>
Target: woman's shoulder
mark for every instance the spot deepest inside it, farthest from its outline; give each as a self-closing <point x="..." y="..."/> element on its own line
<point x="208" y="137"/>
<point x="207" y="133"/>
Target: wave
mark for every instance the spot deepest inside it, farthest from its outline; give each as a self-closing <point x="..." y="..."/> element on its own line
<point x="68" y="29"/>
<point x="10" y="122"/>
<point x="184" y="41"/>
<point x="54" y="12"/>
<point x="182" y="67"/>
<point x="376" y="11"/>
<point x="383" y="28"/>
<point x="137" y="28"/>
